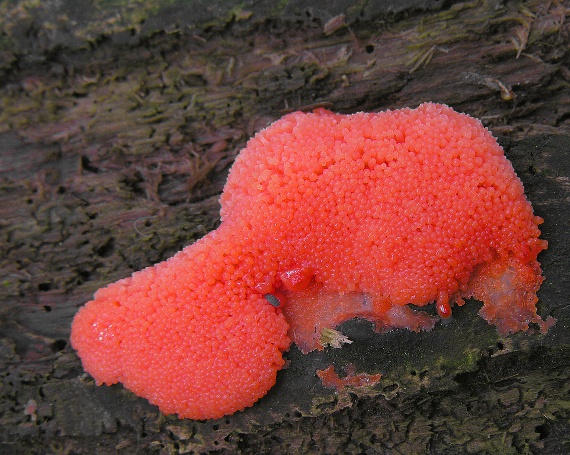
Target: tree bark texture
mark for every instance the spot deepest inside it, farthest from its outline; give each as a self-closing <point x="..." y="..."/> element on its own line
<point x="118" y="124"/>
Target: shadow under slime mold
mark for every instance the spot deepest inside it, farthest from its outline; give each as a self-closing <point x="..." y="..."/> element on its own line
<point x="325" y="217"/>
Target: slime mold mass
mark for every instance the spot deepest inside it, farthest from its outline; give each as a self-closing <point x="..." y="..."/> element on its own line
<point x="325" y="217"/>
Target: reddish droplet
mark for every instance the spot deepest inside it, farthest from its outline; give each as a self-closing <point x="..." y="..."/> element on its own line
<point x="443" y="307"/>
<point x="444" y="310"/>
<point x="297" y="279"/>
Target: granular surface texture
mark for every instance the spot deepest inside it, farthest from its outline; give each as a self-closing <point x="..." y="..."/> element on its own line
<point x="325" y="217"/>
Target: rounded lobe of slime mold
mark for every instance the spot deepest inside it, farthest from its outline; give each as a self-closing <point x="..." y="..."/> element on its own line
<point x="195" y="346"/>
<point x="401" y="206"/>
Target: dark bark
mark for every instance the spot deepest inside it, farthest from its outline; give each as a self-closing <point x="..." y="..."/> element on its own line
<point x="117" y="128"/>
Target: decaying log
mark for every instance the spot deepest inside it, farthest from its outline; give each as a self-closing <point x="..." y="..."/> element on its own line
<point x="118" y="124"/>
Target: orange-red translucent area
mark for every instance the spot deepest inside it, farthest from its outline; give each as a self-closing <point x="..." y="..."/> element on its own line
<point x="504" y="281"/>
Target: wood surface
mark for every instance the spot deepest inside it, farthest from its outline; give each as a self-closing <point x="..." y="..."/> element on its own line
<point x="118" y="124"/>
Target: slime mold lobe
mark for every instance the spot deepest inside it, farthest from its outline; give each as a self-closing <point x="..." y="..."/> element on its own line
<point x="336" y="217"/>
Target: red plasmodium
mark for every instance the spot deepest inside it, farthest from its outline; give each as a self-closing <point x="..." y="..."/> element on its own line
<point x="339" y="217"/>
